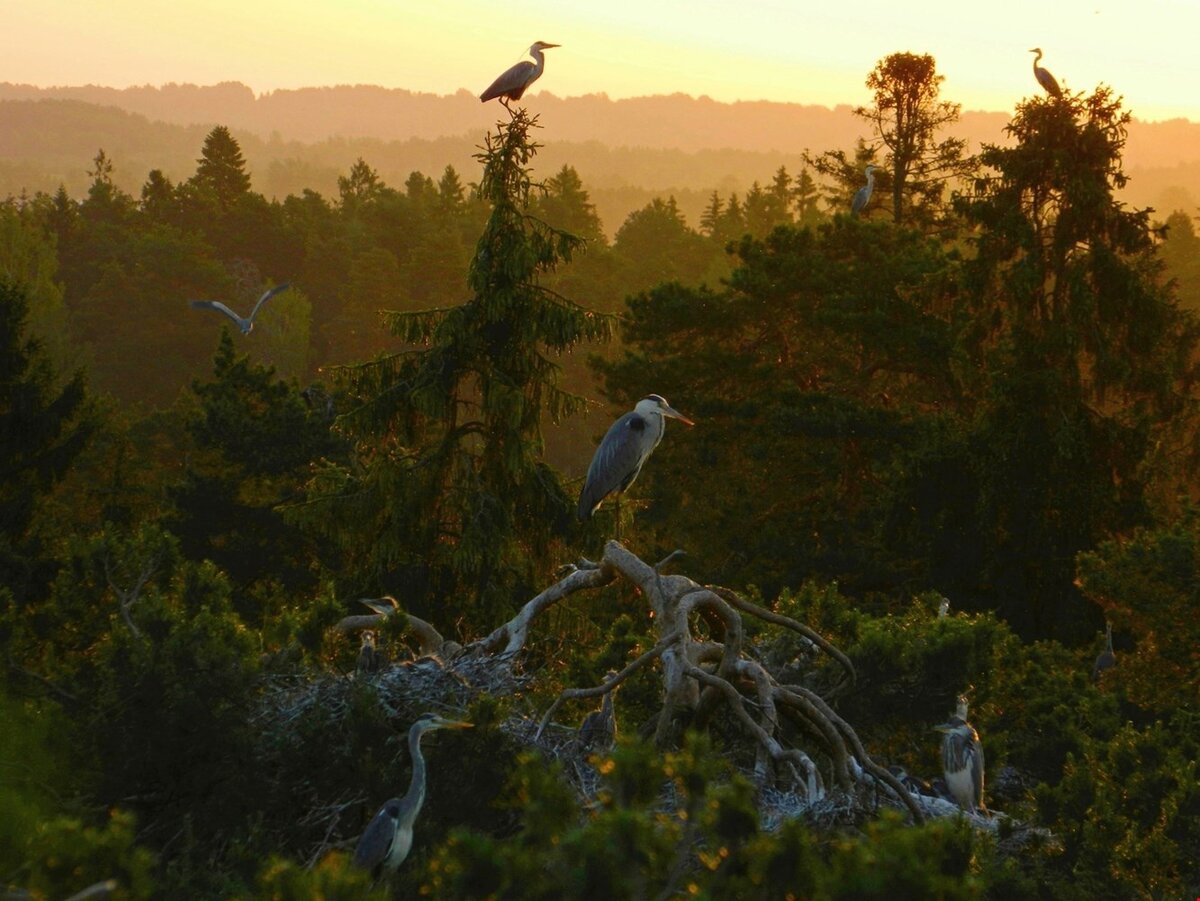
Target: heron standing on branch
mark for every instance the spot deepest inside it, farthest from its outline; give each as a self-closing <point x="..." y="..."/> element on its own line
<point x="389" y="836"/>
<point x="513" y="83"/>
<point x="863" y="195"/>
<point x="1045" y="79"/>
<point x="244" y="324"/>
<point x="624" y="450"/>
<point x="962" y="760"/>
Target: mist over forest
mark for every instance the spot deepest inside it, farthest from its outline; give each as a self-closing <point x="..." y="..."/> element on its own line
<point x="407" y="496"/>
<point x="626" y="151"/>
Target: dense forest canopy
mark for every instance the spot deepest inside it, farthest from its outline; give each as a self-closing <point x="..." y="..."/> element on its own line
<point x="939" y="445"/>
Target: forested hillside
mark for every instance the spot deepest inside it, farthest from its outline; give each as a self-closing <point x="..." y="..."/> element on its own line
<point x="939" y="475"/>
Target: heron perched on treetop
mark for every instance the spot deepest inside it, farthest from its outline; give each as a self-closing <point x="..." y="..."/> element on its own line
<point x="863" y="195"/>
<point x="962" y="760"/>
<point x="1045" y="79"/>
<point x="624" y="449"/>
<point x="389" y="836"/>
<point x="513" y="83"/>
<point x="244" y="324"/>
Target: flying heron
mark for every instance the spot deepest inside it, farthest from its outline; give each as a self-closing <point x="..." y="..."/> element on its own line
<point x="244" y="324"/>
<point x="624" y="450"/>
<point x="599" y="728"/>
<point x="513" y="83"/>
<point x="1106" y="659"/>
<point x="388" y="837"/>
<point x="863" y="195"/>
<point x="962" y="760"/>
<point x="1045" y="79"/>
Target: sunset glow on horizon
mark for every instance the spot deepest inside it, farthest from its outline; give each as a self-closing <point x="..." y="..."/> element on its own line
<point x="752" y="50"/>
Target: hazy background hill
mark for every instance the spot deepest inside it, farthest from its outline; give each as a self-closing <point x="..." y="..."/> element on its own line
<point x="626" y="151"/>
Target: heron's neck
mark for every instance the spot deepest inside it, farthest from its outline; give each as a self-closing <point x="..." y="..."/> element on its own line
<point x="871" y="179"/>
<point x="606" y="707"/>
<point x="1036" y="58"/>
<point x="539" y="59"/>
<point x="1108" y="639"/>
<point x="416" y="788"/>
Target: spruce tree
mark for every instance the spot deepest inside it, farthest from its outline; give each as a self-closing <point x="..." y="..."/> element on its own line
<point x="451" y="506"/>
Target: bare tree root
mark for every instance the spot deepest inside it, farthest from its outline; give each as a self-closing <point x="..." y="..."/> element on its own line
<point x="702" y="675"/>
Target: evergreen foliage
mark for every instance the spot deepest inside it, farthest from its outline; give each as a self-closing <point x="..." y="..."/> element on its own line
<point x="452" y="506"/>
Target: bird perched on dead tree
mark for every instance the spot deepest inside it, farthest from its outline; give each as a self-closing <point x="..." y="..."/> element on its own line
<point x="624" y="450"/>
<point x="512" y="83"/>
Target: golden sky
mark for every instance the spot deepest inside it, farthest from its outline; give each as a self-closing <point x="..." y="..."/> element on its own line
<point x="785" y="50"/>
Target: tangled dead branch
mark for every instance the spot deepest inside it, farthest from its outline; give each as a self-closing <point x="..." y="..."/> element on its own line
<point x="701" y="676"/>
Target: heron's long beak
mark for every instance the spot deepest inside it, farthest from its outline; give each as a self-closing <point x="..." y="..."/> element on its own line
<point x="546" y="46"/>
<point x="455" y="724"/>
<point x="675" y="414"/>
<point x="943" y="727"/>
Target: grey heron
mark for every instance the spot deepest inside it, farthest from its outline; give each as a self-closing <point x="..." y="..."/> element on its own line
<point x="623" y="451"/>
<point x="244" y="324"/>
<point x="599" y="728"/>
<point x="863" y="195"/>
<point x="384" y="606"/>
<point x="944" y="608"/>
<point x="1045" y="79"/>
<point x="1106" y="659"/>
<point x="962" y="760"/>
<point x="512" y="83"/>
<point x="388" y="837"/>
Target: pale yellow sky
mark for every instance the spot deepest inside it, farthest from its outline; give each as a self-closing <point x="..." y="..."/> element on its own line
<point x="741" y="50"/>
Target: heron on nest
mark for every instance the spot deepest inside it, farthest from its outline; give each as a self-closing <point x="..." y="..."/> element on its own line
<point x="962" y="760"/>
<point x="599" y="728"/>
<point x="389" y="836"/>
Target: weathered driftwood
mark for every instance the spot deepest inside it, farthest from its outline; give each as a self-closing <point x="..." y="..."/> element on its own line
<point x="702" y="675"/>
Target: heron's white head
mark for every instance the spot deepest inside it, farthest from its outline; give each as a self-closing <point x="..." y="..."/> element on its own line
<point x="654" y="403"/>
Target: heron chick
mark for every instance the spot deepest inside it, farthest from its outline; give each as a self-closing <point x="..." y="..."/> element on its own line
<point x="389" y="836"/>
<point x="512" y="83"/>
<point x="624" y="450"/>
